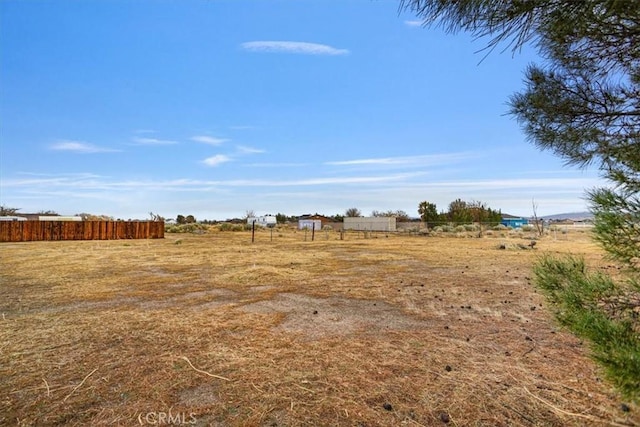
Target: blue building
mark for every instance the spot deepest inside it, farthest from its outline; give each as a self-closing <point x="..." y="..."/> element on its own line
<point x="513" y="221"/>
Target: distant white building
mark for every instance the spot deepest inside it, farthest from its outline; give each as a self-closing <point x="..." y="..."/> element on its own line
<point x="12" y="218"/>
<point x="263" y="221"/>
<point x="377" y="223"/>
<point x="59" y="218"/>
<point x="310" y="224"/>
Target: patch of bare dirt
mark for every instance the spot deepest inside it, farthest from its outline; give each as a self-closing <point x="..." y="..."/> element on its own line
<point x="324" y="317"/>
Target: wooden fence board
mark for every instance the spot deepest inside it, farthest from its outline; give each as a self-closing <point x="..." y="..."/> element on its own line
<point x="25" y="231"/>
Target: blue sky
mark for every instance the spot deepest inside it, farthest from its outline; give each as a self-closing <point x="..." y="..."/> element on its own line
<point x="217" y="107"/>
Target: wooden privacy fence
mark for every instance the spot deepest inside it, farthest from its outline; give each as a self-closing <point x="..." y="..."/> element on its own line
<point x="26" y="231"/>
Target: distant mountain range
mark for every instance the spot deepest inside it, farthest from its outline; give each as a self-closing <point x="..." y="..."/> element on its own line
<point x="576" y="216"/>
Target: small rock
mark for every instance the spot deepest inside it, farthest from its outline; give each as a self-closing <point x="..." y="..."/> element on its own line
<point x="315" y="311"/>
<point x="447" y="368"/>
<point x="624" y="407"/>
<point x="388" y="406"/>
<point x="444" y="417"/>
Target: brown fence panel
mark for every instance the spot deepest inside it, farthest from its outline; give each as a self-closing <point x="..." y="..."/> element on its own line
<point x="25" y="231"/>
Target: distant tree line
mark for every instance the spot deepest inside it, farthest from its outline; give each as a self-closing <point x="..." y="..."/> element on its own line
<point x="459" y="212"/>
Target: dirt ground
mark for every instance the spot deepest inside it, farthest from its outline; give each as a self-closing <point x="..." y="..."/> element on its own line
<point x="214" y="330"/>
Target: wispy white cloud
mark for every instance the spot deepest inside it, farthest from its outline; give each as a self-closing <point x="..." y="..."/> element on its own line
<point x="80" y="147"/>
<point x="216" y="160"/>
<point x="211" y="140"/>
<point x="293" y="47"/>
<point x="409" y="180"/>
<point x="124" y="196"/>
<point x="276" y="165"/>
<point x="431" y="159"/>
<point x="153" y="141"/>
<point x="249" y="150"/>
<point x="51" y="180"/>
<point x="413" y="23"/>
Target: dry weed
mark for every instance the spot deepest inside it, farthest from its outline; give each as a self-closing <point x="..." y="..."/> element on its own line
<point x="389" y="330"/>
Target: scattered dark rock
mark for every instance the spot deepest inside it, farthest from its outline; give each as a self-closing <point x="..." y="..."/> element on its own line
<point x="447" y="368"/>
<point x="528" y="338"/>
<point x="533" y="307"/>
<point x="444" y="417"/>
<point x="315" y="311"/>
<point x="625" y="408"/>
<point x="446" y="327"/>
<point x="388" y="406"/>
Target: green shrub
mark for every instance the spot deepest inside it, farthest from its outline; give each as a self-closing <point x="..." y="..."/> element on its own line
<point x="225" y="226"/>
<point x="187" y="228"/>
<point x="597" y="309"/>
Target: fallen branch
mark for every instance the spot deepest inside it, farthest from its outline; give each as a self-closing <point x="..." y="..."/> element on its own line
<point x="47" y="385"/>
<point x="204" y="372"/>
<point x="573" y="414"/>
<point x="79" y="385"/>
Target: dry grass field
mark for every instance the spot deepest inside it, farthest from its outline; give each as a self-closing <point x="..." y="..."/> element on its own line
<point x="212" y="330"/>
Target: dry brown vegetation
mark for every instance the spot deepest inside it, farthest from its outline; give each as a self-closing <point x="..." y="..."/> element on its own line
<point x="215" y="330"/>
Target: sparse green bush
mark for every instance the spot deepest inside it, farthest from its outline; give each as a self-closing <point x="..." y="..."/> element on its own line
<point x="228" y="226"/>
<point x="527" y="227"/>
<point x="599" y="310"/>
<point x="187" y="228"/>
